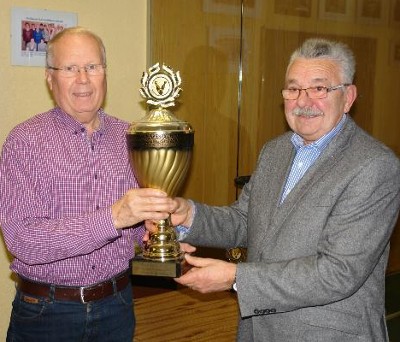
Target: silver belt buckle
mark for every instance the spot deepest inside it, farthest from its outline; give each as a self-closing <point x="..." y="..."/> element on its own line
<point x="81" y="289"/>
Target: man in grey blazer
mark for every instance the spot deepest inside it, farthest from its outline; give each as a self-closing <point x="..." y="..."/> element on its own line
<point x="316" y="217"/>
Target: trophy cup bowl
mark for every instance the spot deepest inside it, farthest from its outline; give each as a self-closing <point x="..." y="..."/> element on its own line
<point x="160" y="150"/>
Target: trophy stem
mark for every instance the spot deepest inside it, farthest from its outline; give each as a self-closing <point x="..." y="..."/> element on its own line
<point x="162" y="245"/>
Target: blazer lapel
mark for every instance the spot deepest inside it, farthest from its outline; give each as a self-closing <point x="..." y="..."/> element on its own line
<point x="323" y="164"/>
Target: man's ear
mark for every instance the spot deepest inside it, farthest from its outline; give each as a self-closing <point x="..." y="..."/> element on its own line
<point x="351" y="95"/>
<point x="49" y="78"/>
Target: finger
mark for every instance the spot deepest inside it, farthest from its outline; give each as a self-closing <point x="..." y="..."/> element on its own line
<point x="146" y="236"/>
<point x="150" y="226"/>
<point x="150" y="192"/>
<point x="184" y="281"/>
<point x="187" y="278"/>
<point x="187" y="248"/>
<point x="196" y="261"/>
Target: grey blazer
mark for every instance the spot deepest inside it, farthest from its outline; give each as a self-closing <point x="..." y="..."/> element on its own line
<point x="316" y="263"/>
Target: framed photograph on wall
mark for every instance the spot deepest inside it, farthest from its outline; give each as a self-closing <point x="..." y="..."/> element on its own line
<point x="31" y="29"/>
<point x="338" y="10"/>
<point x="298" y="8"/>
<point x="374" y="12"/>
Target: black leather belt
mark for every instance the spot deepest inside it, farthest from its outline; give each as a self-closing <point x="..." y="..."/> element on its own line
<point x="83" y="294"/>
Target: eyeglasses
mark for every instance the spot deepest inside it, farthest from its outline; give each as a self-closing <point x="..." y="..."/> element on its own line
<point x="319" y="92"/>
<point x="74" y="70"/>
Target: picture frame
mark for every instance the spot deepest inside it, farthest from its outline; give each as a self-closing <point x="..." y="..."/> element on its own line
<point x="31" y="29"/>
<point x="298" y="8"/>
<point x="372" y="12"/>
<point x="338" y="10"/>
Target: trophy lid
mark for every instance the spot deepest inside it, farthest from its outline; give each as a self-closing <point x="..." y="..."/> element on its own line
<point x="159" y="120"/>
<point x="160" y="88"/>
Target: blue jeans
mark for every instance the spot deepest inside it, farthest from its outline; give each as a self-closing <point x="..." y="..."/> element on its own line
<point x="46" y="320"/>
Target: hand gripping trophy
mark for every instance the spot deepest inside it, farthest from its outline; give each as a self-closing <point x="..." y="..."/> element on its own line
<point x="160" y="149"/>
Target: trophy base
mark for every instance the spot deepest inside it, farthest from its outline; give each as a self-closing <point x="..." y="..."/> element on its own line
<point x="155" y="268"/>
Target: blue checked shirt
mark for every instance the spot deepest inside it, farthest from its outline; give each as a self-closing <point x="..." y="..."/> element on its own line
<point x="306" y="155"/>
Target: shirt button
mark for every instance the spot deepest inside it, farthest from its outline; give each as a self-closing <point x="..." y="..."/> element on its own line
<point x="93" y="267"/>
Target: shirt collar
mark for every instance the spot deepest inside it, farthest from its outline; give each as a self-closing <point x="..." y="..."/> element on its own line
<point x="74" y="126"/>
<point x="321" y="143"/>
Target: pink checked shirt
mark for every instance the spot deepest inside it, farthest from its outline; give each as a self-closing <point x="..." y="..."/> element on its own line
<point x="56" y="189"/>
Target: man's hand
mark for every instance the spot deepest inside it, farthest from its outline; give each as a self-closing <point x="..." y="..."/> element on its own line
<point x="208" y="275"/>
<point x="182" y="212"/>
<point x="138" y="205"/>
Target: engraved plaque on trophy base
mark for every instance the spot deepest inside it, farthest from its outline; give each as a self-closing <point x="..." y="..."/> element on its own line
<point x="169" y="268"/>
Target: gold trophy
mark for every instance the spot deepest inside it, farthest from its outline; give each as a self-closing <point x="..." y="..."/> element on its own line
<point x="160" y="149"/>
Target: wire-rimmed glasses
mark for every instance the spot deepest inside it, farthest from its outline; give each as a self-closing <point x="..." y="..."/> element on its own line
<point x="318" y="92"/>
<point x="74" y="70"/>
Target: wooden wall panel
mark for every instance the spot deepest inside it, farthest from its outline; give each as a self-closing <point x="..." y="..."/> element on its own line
<point x="205" y="48"/>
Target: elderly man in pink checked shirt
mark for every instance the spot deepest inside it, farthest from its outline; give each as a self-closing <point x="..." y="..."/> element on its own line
<point x="70" y="207"/>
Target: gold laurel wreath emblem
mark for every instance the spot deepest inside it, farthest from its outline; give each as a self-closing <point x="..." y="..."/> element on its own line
<point x="160" y="86"/>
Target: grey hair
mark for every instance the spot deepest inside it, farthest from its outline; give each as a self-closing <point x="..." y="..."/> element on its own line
<point x="77" y="30"/>
<point x="320" y="48"/>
